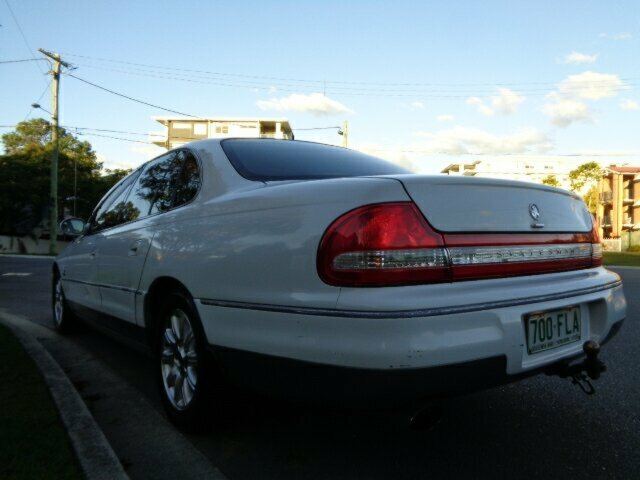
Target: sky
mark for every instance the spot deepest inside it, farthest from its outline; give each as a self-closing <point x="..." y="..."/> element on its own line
<point x="423" y="84"/>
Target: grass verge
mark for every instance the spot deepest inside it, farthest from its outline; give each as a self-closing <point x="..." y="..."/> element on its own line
<point x="33" y="441"/>
<point x="627" y="259"/>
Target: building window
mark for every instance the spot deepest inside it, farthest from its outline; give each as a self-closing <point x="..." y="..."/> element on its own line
<point x="222" y="129"/>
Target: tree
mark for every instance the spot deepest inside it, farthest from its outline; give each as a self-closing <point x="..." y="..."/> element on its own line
<point x="551" y="180"/>
<point x="25" y="176"/>
<point x="36" y="133"/>
<point x="584" y="180"/>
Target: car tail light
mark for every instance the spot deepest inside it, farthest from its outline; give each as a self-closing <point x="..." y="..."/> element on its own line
<point x="393" y="244"/>
<point x="382" y="244"/>
<point x="596" y="246"/>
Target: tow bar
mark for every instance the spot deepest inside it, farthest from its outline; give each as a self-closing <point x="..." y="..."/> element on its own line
<point x="580" y="373"/>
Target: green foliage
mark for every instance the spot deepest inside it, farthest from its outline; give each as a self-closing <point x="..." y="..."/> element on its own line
<point x="585" y="175"/>
<point x="591" y="199"/>
<point x="25" y="172"/>
<point x="36" y="134"/>
<point x="551" y="180"/>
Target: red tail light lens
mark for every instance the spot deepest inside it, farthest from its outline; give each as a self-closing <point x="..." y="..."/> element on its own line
<point x="382" y="244"/>
<point x="392" y="244"/>
<point x="596" y="246"/>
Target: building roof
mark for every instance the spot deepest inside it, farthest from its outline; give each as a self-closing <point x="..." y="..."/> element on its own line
<point x="456" y="166"/>
<point x="626" y="169"/>
<point x="165" y="120"/>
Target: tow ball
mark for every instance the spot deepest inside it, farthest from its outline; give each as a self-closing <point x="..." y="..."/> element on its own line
<point x="580" y="373"/>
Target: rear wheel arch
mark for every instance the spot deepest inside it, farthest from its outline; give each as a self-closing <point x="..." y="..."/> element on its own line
<point x="159" y="289"/>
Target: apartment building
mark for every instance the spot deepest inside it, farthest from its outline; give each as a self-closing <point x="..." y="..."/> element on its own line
<point x="619" y="201"/>
<point x="526" y="169"/>
<point x="181" y="130"/>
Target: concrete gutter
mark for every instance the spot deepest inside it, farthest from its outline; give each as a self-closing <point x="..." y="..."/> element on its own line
<point x="96" y="457"/>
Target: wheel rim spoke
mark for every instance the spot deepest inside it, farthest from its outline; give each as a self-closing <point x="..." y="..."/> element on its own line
<point x="176" y="326"/>
<point x="58" y="306"/>
<point x="177" y="391"/>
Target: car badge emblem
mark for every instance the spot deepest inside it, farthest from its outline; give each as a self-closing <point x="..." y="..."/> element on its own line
<point x="534" y="211"/>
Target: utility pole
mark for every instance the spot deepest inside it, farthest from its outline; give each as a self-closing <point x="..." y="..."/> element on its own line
<point x="53" y="200"/>
<point x="345" y="134"/>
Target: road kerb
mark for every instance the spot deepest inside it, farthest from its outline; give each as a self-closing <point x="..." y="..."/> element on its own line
<point x="95" y="456"/>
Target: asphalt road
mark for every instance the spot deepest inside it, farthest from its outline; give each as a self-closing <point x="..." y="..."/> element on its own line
<point x="542" y="427"/>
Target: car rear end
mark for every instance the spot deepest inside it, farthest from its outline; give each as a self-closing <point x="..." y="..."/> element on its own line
<point x="501" y="278"/>
<point x="449" y="284"/>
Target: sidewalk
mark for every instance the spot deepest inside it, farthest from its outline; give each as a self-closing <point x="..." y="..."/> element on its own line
<point x="92" y="451"/>
<point x="143" y="440"/>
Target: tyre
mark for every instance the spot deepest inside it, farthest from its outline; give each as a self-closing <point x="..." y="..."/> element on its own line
<point x="63" y="319"/>
<point x="185" y="376"/>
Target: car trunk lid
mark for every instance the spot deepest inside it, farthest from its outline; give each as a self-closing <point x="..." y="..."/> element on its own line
<point x="483" y="205"/>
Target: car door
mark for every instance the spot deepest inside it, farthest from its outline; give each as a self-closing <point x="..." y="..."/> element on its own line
<point x="124" y="249"/>
<point x="78" y="264"/>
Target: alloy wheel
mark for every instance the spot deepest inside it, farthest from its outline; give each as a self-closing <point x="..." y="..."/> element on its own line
<point x="179" y="360"/>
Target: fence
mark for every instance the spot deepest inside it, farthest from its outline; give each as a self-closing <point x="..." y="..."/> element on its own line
<point x="28" y="245"/>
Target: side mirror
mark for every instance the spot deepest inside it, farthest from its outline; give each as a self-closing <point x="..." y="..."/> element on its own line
<point x="72" y="226"/>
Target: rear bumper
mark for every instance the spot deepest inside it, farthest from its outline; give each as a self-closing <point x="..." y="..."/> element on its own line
<point x="439" y="349"/>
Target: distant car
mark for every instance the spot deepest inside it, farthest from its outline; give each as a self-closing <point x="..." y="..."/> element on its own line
<point x="307" y="269"/>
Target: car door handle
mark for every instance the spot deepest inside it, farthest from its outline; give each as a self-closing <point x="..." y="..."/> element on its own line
<point x="133" y="249"/>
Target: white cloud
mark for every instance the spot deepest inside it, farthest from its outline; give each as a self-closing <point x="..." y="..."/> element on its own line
<point x="630" y="105"/>
<point x="397" y="156"/>
<point x="591" y="85"/>
<point x="148" y="151"/>
<point x="107" y="164"/>
<point x="565" y="111"/>
<point x="445" y="118"/>
<point x="617" y="36"/>
<point x="482" y="108"/>
<point x="417" y="105"/>
<point x="462" y="140"/>
<point x="315" y="103"/>
<point x="505" y="102"/>
<point x="577" y="58"/>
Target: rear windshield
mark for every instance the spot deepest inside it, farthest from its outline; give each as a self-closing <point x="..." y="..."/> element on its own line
<point x="272" y="160"/>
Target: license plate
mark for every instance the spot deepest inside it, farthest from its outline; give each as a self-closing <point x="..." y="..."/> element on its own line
<point x="552" y="329"/>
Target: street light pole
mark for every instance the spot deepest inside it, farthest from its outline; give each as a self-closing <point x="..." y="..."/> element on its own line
<point x="345" y="134"/>
<point x="53" y="200"/>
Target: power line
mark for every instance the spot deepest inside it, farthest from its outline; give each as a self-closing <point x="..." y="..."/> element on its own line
<point x="115" y="131"/>
<point x="24" y="37"/>
<point x="351" y="91"/>
<point x="24" y="60"/>
<point x="130" y="98"/>
<point x="424" y="152"/>
<point x="315" y="82"/>
<point x="39" y="98"/>
<point x="114" y="138"/>
<point x="316" y="128"/>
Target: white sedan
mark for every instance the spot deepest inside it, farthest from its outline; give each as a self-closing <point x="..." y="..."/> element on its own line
<point x="318" y="271"/>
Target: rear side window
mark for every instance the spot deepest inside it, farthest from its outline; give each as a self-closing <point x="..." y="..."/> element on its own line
<point x="167" y="182"/>
<point x="109" y="212"/>
<point x="272" y="160"/>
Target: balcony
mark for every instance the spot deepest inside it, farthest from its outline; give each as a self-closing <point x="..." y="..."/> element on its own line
<point x="606" y="197"/>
